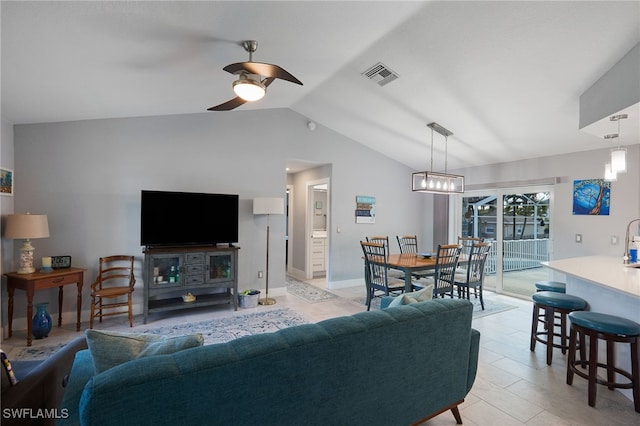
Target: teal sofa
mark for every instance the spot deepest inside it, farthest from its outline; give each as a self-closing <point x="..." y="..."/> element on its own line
<point x="396" y="366"/>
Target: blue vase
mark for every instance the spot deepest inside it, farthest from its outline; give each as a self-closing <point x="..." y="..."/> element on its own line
<point x="41" y="323"/>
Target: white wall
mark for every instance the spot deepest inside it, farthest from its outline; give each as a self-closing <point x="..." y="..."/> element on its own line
<point x="87" y="176"/>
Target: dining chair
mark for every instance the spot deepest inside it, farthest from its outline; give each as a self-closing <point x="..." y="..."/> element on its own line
<point x="466" y="243"/>
<point x="376" y="275"/>
<point x="408" y="243"/>
<point x="474" y="273"/>
<point x="384" y="239"/>
<point x="443" y="277"/>
<point x="115" y="282"/>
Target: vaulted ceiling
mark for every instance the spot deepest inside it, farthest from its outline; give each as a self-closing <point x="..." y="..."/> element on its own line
<point x="504" y="77"/>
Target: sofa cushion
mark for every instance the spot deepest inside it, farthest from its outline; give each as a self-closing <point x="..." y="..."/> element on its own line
<point x="109" y="349"/>
<point x="413" y="297"/>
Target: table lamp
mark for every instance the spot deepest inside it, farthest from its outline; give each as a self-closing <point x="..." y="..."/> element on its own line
<point x="26" y="226"/>
<point x="268" y="206"/>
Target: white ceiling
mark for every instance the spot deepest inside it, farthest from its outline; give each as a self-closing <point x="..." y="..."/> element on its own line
<point x="504" y="77"/>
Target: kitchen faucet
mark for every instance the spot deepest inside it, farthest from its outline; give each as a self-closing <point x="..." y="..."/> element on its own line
<point x="625" y="258"/>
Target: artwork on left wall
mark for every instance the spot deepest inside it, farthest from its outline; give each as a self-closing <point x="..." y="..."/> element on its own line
<point x="6" y="181"/>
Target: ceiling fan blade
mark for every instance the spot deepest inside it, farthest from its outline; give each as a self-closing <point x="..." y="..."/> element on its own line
<point x="229" y="105"/>
<point x="261" y="68"/>
<point x="237" y="101"/>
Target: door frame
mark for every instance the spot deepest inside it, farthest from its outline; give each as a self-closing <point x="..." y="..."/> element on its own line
<point x="310" y="207"/>
<point x="455" y="211"/>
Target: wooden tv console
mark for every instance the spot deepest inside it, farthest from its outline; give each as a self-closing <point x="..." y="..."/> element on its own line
<point x="210" y="273"/>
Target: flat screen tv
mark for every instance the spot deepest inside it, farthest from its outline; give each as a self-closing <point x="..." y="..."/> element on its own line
<point x="187" y="218"/>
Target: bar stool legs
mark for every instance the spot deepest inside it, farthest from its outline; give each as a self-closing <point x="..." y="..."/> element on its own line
<point x="612" y="330"/>
<point x="554" y="305"/>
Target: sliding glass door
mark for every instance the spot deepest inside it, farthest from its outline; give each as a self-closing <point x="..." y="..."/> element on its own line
<point x="518" y="223"/>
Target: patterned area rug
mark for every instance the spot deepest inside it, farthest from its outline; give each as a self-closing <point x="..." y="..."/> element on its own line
<point x="308" y="292"/>
<point x="226" y="329"/>
<point x="214" y="331"/>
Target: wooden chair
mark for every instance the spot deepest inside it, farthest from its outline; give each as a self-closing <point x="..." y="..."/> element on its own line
<point x="114" y="282"/>
<point x="384" y="239"/>
<point x="408" y="243"/>
<point x="380" y="239"/>
<point x="443" y="277"/>
<point x="474" y="272"/>
<point x="376" y="275"/>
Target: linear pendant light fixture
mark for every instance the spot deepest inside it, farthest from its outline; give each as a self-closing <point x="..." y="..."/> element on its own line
<point x="434" y="182"/>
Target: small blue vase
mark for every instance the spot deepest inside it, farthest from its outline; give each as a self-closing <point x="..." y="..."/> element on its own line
<point x="41" y="323"/>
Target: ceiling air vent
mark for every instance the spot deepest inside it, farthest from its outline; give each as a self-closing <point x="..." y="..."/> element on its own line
<point x="381" y="74"/>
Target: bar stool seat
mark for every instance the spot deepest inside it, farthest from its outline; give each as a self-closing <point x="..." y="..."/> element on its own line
<point x="555" y="286"/>
<point x="553" y="303"/>
<point x="612" y="329"/>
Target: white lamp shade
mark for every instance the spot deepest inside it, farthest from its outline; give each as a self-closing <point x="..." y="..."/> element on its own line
<point x="268" y="206"/>
<point x="27" y="226"/>
<point x="609" y="174"/>
<point x="619" y="160"/>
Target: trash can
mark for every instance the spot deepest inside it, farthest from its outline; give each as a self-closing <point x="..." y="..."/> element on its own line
<point x="249" y="299"/>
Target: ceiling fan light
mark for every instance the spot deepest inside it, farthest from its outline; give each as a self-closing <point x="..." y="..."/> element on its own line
<point x="249" y="88"/>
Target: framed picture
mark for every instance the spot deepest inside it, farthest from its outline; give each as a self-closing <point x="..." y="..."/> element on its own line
<point x="591" y="197"/>
<point x="6" y="181"/>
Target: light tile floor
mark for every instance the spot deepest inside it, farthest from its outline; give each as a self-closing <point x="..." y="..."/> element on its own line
<point x="513" y="386"/>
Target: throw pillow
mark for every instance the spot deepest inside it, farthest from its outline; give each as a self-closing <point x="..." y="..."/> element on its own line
<point x="109" y="349"/>
<point x="413" y="297"/>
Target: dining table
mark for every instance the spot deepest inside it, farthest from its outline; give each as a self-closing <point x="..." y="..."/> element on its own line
<point x="410" y="263"/>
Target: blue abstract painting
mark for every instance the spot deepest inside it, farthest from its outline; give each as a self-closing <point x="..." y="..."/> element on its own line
<point x="591" y="197"/>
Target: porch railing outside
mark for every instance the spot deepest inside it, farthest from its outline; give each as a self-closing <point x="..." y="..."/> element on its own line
<point x="519" y="255"/>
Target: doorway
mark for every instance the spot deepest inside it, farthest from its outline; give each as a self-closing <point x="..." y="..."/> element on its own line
<point x="317" y="227"/>
<point x="518" y="223"/>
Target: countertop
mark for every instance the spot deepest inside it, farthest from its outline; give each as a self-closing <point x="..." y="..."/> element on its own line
<point x="607" y="271"/>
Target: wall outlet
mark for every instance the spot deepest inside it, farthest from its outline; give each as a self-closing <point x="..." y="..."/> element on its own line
<point x="578" y="238"/>
<point x="614" y="240"/>
<point x="259" y="274"/>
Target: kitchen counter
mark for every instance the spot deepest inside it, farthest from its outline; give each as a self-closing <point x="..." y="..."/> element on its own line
<point x="609" y="287"/>
<point x="606" y="271"/>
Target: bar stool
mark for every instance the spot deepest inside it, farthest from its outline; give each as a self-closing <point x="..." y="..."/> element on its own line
<point x="555" y="286"/>
<point x="612" y="329"/>
<point x="553" y="303"/>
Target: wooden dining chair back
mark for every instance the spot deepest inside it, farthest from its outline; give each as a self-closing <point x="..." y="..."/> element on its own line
<point x="376" y="274"/>
<point x="445" y="269"/>
<point x="408" y="243"/>
<point x="474" y="276"/>
<point x="467" y="243"/>
<point x="380" y="239"/>
<point x="113" y="288"/>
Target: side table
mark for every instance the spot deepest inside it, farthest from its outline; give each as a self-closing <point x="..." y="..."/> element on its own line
<point x="40" y="281"/>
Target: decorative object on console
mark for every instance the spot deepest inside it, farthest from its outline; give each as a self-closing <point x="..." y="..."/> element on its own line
<point x="41" y="323"/>
<point x="434" y="182"/>
<point x="60" y="262"/>
<point x="268" y="206"/>
<point x="26" y="226"/>
<point x="46" y="264"/>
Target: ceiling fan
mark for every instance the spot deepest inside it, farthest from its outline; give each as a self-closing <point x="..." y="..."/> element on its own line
<point x="253" y="79"/>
